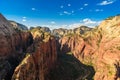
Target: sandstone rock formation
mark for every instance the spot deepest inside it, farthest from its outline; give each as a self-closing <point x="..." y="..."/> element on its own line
<point x="39" y="62"/>
<point x="44" y="29"/>
<point x="98" y="48"/>
<point x="18" y="25"/>
<point x="13" y="44"/>
<point x="72" y="56"/>
<point x="62" y="32"/>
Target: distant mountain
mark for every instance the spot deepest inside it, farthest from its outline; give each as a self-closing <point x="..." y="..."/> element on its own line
<point x="44" y="29"/>
<point x="62" y="32"/>
<point x="18" y="25"/>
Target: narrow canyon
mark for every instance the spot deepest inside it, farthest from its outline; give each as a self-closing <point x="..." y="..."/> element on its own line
<point x="39" y="53"/>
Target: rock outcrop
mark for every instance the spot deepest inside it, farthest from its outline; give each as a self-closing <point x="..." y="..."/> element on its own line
<point x="18" y="25"/>
<point x="37" y="64"/>
<point x="98" y="48"/>
<point x="63" y="32"/>
<point x="13" y="44"/>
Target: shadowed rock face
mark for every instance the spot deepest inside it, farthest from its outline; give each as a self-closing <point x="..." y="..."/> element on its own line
<point x="39" y="62"/>
<point x="18" y="25"/>
<point x="99" y="48"/>
<point x="13" y="44"/>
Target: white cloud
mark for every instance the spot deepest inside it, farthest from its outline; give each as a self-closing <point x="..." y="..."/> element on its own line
<point x="106" y="2"/>
<point x="24" y="17"/>
<point x="33" y="9"/>
<point x="69" y="5"/>
<point x="85" y="4"/>
<point x="96" y="10"/>
<point x="53" y="22"/>
<point x="89" y="22"/>
<point x="84" y="22"/>
<point x="61" y="6"/>
<point x="51" y="26"/>
<point x="24" y="20"/>
<point x="81" y="8"/>
<point x="99" y="10"/>
<point x="72" y="11"/>
<point x="66" y="12"/>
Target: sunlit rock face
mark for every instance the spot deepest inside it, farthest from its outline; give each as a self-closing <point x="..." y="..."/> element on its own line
<point x="39" y="62"/>
<point x="18" y="25"/>
<point x="13" y="44"/>
<point x="63" y="32"/>
<point x="99" y="48"/>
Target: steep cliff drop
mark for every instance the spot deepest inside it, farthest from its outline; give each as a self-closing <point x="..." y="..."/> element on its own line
<point x="38" y="63"/>
<point x="99" y="48"/>
<point x="13" y="44"/>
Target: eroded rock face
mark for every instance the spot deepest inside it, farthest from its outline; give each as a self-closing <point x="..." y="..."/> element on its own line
<point x="99" y="48"/>
<point x="39" y="62"/>
<point x="18" y="25"/>
<point x="13" y="44"/>
<point x="63" y="32"/>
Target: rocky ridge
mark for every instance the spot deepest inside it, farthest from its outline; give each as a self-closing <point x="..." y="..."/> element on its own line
<point x="79" y="54"/>
<point x="13" y="44"/>
<point x="98" y="48"/>
<point x="18" y="25"/>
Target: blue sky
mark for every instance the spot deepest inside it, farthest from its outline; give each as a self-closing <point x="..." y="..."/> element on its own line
<point x="59" y="13"/>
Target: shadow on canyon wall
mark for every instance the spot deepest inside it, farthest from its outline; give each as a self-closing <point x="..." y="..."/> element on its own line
<point x="70" y="68"/>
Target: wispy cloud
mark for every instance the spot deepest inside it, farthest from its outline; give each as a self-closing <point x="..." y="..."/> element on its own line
<point x="72" y="11"/>
<point x="96" y="10"/>
<point x="81" y="8"/>
<point x="24" y="19"/>
<point x="66" y="13"/>
<point x="99" y="10"/>
<point x="86" y="22"/>
<point x="52" y="22"/>
<point x="106" y="2"/>
<point x="61" y="6"/>
<point x="89" y="22"/>
<point x="69" y="5"/>
<point x="86" y="4"/>
<point x="33" y="9"/>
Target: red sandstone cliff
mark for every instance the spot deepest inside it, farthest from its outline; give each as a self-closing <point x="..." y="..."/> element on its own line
<point x="37" y="64"/>
<point x="99" y="48"/>
<point x="13" y="44"/>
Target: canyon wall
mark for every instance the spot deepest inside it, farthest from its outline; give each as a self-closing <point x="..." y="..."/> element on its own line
<point x="98" y="48"/>
<point x="38" y="63"/>
<point x="13" y="44"/>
